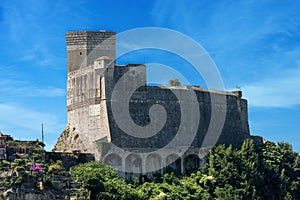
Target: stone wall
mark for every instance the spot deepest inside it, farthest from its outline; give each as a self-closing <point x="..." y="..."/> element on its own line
<point x="69" y="159"/>
<point x="31" y="196"/>
<point x="235" y="128"/>
<point x="87" y="115"/>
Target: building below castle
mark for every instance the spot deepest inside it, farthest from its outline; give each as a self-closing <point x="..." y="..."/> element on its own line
<point x="140" y="129"/>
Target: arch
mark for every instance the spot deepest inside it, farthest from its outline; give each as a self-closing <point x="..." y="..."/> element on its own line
<point x="191" y="163"/>
<point x="153" y="165"/>
<point x="113" y="160"/>
<point x="133" y="163"/>
<point x="173" y="163"/>
<point x="133" y="166"/>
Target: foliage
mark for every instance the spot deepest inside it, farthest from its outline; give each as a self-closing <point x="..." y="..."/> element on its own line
<point x="95" y="177"/>
<point x="174" y="82"/>
<point x="19" y="169"/>
<point x="19" y="161"/>
<point x="268" y="171"/>
<point x="9" y="138"/>
<point x="47" y="180"/>
<point x="57" y="168"/>
<point x="16" y="180"/>
<point x="5" y="163"/>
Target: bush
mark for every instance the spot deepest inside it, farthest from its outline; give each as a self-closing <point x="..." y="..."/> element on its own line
<point x="19" y="161"/>
<point x="5" y="163"/>
<point x="19" y="169"/>
<point x="47" y="180"/>
<point x="268" y="171"/>
<point x="93" y="175"/>
<point x="57" y="168"/>
<point x="18" y="181"/>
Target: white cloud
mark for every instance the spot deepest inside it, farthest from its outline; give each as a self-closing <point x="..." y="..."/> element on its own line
<point x="248" y="43"/>
<point x="241" y="34"/>
<point x="24" y="123"/>
<point x="281" y="91"/>
<point x="10" y="87"/>
<point x="24" y="28"/>
<point x="51" y="92"/>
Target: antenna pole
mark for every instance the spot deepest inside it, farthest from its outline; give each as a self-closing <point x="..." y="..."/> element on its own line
<point x="43" y="134"/>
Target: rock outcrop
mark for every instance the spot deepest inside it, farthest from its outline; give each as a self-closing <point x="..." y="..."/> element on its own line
<point x="69" y="141"/>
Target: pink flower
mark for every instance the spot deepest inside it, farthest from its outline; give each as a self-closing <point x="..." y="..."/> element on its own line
<point x="36" y="168"/>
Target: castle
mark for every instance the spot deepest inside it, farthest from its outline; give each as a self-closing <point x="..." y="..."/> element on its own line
<point x="140" y="129"/>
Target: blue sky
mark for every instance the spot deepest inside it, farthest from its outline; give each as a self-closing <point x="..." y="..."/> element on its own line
<point x="255" y="45"/>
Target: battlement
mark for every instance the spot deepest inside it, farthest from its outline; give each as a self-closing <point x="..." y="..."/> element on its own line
<point x="197" y="88"/>
<point x="88" y="37"/>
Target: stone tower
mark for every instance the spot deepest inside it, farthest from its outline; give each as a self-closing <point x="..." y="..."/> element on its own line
<point x="86" y="46"/>
<point x="89" y="54"/>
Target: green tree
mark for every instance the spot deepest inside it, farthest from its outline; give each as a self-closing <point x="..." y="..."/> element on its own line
<point x="174" y="82"/>
<point x="103" y="181"/>
<point x="267" y="171"/>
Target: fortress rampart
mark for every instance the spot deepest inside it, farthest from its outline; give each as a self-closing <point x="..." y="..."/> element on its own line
<point x="94" y="78"/>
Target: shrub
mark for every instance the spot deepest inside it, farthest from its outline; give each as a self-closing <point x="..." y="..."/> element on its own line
<point x="19" y="169"/>
<point x="18" y="160"/>
<point x="5" y="163"/>
<point x="47" y="180"/>
<point x="18" y="181"/>
<point x="57" y="168"/>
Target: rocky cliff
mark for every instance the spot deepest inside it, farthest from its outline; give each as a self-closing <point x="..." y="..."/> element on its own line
<point x="69" y="141"/>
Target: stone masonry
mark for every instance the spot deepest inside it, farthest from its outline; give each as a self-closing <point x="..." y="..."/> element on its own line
<point x="92" y="127"/>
